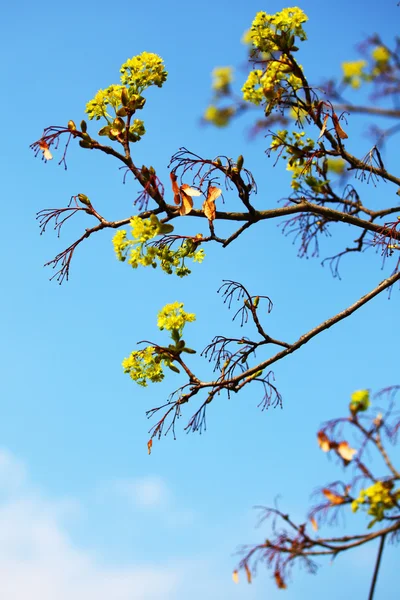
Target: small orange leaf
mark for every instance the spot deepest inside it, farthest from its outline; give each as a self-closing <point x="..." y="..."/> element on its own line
<point x="345" y="451"/>
<point x="248" y="573"/>
<point x="45" y="149"/>
<point x="235" y="577"/>
<point x="279" y="581"/>
<point x="189" y="191"/>
<point x="182" y="195"/>
<point x="332" y="497"/>
<point x="323" y="128"/>
<point x="187" y="204"/>
<point x="314" y="524"/>
<point x="149" y="445"/>
<point x="213" y="193"/>
<point x="342" y="134"/>
<point x="323" y="441"/>
<point x="175" y="188"/>
<point x="209" y="204"/>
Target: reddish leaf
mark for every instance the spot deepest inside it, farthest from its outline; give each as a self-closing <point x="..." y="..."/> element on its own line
<point x="345" y="451"/>
<point x="175" y="188"/>
<point x="279" y="581"/>
<point x="342" y="134"/>
<point x="209" y="204"/>
<point x="248" y="573"/>
<point x="187" y="204"/>
<point x="45" y="149"/>
<point x="332" y="497"/>
<point x="323" y="441"/>
<point x="149" y="445"/>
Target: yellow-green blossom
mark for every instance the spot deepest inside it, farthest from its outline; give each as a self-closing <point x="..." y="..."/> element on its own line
<point x="353" y="72"/>
<point x="199" y="256"/>
<point x="247" y="37"/>
<point x="270" y="33"/>
<point x="379" y="497"/>
<point x="97" y="107"/>
<point x="222" y="78"/>
<point x="269" y="85"/>
<point x="142" y="71"/>
<point x="120" y="243"/>
<point x="381" y="54"/>
<point x="143" y="365"/>
<point x="219" y="116"/>
<point x="172" y="316"/>
<point x="360" y="401"/>
<point x="336" y="165"/>
<point x="352" y="69"/>
<point x="142" y="251"/>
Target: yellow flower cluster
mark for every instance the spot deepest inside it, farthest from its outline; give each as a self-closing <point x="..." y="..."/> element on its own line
<point x="218" y="116"/>
<point x="378" y="497"/>
<point x="270" y="33"/>
<point x="295" y="147"/>
<point x="353" y="72"/>
<point x="360" y="401"/>
<point x="381" y="54"/>
<point x="142" y="71"/>
<point x="269" y="85"/>
<point x="97" y="108"/>
<point x="147" y="364"/>
<point x="172" y="316"/>
<point x="143" y="365"/>
<point x="222" y="78"/>
<point x="336" y="165"/>
<point x="140" y="252"/>
<point x="137" y="74"/>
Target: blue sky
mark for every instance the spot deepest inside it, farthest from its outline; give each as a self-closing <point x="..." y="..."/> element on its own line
<point x="84" y="511"/>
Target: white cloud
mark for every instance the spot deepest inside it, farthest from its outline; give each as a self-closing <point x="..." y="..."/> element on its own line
<point x="145" y="492"/>
<point x="39" y="561"/>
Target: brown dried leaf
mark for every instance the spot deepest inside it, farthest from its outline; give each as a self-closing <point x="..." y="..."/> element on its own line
<point x="323" y="128"/>
<point x="189" y="190"/>
<point x="279" y="581"/>
<point x="209" y="204"/>
<point x="187" y="204"/>
<point x="342" y="134"/>
<point x="149" y="445"/>
<point x="235" y="577"/>
<point x="175" y="188"/>
<point x="323" y="441"/>
<point x="345" y="451"/>
<point x="45" y="149"/>
<point x="332" y="497"/>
